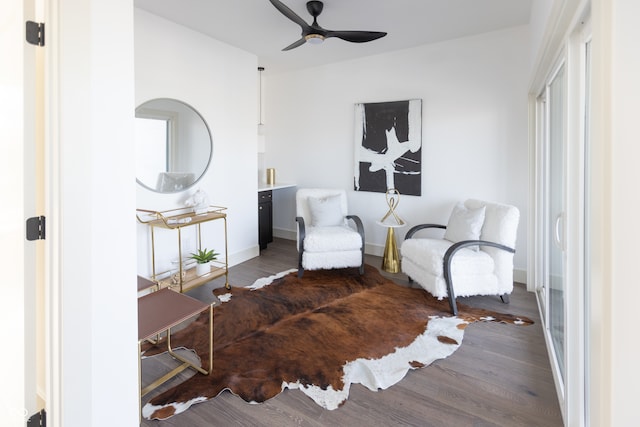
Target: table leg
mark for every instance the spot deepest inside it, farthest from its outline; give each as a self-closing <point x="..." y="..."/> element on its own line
<point x="211" y="338"/>
<point x="391" y="257"/>
<point x="140" y="382"/>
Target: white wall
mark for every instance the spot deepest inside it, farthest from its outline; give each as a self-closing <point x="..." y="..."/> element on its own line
<point x="220" y="82"/>
<point x="614" y="368"/>
<point x="90" y="229"/>
<point x="621" y="147"/>
<point x="540" y="12"/>
<point x="474" y="128"/>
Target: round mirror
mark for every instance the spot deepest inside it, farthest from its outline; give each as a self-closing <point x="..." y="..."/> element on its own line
<point x="173" y="145"/>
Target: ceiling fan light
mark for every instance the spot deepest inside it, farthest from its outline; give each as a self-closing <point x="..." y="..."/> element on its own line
<point x="314" y="38"/>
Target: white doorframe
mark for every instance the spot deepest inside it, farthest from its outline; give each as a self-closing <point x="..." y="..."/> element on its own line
<point x="54" y="212"/>
<point x="577" y="234"/>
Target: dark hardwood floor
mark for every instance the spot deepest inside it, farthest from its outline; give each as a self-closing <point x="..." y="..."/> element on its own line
<point x="500" y="376"/>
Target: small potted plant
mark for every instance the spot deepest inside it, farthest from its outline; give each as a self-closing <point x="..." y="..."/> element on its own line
<point x="203" y="258"/>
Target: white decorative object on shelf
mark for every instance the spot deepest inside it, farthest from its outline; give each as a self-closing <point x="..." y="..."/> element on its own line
<point x="199" y="201"/>
<point x="179" y="221"/>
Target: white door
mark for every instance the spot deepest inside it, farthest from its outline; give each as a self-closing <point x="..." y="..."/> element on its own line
<point x="19" y="131"/>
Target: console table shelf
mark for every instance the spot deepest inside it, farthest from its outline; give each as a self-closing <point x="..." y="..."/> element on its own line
<point x="176" y="219"/>
<point x="191" y="280"/>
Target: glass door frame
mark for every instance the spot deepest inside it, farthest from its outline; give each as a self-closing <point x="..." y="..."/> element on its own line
<point x="543" y="223"/>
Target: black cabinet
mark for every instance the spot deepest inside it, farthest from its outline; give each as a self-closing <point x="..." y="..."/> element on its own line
<point x="265" y="218"/>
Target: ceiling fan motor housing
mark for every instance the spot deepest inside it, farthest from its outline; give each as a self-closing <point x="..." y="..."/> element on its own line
<point x="315" y="8"/>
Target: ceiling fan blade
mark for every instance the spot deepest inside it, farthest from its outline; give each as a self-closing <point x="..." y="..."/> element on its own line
<point x="289" y="14"/>
<point x="356" y="36"/>
<point x="295" y="44"/>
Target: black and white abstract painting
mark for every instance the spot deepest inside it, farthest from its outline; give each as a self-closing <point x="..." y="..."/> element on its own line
<point x="388" y="147"/>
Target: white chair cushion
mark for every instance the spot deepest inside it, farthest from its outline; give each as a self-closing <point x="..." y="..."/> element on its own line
<point x="465" y="224"/>
<point x="331" y="239"/>
<point x="302" y="201"/>
<point x="325" y="211"/>
<point x="429" y="255"/>
<point x="465" y="284"/>
<point x="323" y="260"/>
<point x="500" y="224"/>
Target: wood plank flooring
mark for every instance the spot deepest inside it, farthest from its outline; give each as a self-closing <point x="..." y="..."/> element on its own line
<point x="500" y="376"/>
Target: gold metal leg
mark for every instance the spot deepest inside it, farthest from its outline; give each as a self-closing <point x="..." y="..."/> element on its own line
<point x="226" y="257"/>
<point x="140" y="382"/>
<point x="185" y="361"/>
<point x="153" y="254"/>
<point x="180" y="271"/>
<point x="211" y="338"/>
<point x="391" y="257"/>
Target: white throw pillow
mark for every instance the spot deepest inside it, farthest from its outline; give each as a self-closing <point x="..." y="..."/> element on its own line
<point x="325" y="211"/>
<point x="465" y="224"/>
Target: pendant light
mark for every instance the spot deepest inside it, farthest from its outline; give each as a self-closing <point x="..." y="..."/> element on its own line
<point x="260" y="124"/>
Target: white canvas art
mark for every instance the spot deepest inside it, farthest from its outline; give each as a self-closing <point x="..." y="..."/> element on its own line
<point x="388" y="147"/>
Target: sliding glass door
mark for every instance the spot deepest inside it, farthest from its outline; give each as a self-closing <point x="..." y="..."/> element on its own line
<point x="555" y="217"/>
<point x="551" y="110"/>
<point x="560" y="218"/>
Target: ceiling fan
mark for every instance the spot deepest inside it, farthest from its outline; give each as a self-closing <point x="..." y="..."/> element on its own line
<point x="315" y="34"/>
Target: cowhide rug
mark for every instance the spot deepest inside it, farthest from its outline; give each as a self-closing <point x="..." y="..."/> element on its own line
<point x="319" y="334"/>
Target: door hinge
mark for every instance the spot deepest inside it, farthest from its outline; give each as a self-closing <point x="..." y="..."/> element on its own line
<point x="38" y="419"/>
<point x="35" y="33"/>
<point x="36" y="228"/>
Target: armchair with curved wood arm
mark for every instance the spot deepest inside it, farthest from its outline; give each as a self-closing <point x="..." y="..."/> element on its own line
<point x="480" y="261"/>
<point x="326" y="238"/>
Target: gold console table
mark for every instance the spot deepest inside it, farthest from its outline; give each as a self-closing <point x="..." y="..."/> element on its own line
<point x="177" y="219"/>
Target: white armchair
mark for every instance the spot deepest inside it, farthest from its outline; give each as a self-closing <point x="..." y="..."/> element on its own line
<point x="325" y="238"/>
<point x="475" y="257"/>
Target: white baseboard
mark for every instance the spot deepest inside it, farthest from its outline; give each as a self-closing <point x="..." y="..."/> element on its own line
<point x="375" y="250"/>
<point x="285" y="234"/>
<point x="244" y="255"/>
<point x="520" y="276"/>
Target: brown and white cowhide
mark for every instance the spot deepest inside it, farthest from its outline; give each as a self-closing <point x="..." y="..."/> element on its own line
<point x="320" y="334"/>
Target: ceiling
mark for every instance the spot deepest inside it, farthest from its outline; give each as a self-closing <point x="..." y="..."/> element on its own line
<point x="257" y="27"/>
